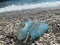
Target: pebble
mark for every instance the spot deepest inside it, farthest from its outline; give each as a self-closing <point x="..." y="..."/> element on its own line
<point x="55" y="44"/>
<point x="1" y="36"/>
<point x="2" y="42"/>
<point x="36" y="43"/>
<point x="13" y="43"/>
<point x="33" y="44"/>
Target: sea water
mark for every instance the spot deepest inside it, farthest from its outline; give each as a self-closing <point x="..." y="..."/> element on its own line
<point x="12" y="5"/>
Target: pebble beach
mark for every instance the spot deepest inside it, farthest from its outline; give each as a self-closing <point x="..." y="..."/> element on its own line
<point x="9" y="22"/>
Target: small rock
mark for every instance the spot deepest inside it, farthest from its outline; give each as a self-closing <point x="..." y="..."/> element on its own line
<point x="2" y="42"/>
<point x="36" y="43"/>
<point x="1" y="36"/>
<point x="33" y="44"/>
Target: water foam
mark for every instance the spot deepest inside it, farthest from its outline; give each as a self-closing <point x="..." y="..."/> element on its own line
<point x="30" y="6"/>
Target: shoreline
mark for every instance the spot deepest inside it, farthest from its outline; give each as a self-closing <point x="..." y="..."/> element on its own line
<point x="29" y="12"/>
<point x="33" y="9"/>
<point x="37" y="13"/>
